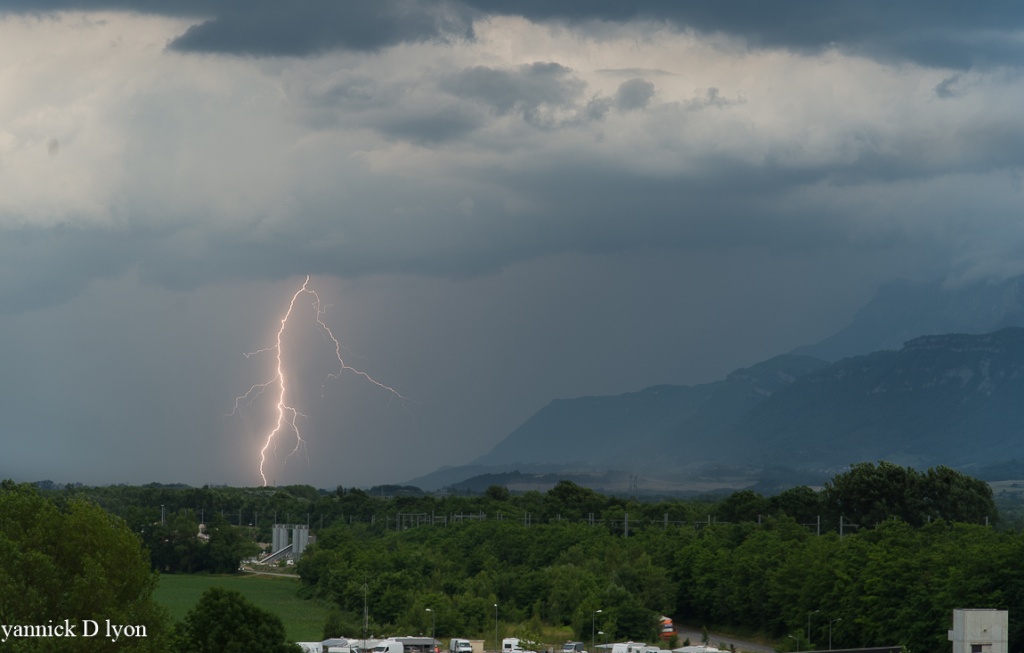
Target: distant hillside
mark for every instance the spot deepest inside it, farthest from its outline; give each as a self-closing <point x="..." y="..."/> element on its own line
<point x="701" y="436"/>
<point x="590" y="430"/>
<point x="901" y="311"/>
<point x="454" y="476"/>
<point x="940" y="400"/>
<point x="949" y="399"/>
<point x="518" y="481"/>
<point x="628" y="431"/>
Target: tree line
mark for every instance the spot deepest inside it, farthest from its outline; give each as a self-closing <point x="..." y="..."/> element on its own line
<point x="921" y="548"/>
<point x="916" y="546"/>
<point x="865" y="494"/>
<point x="169" y="519"/>
<point x="69" y="568"/>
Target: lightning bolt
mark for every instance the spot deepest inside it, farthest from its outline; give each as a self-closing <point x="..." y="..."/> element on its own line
<point x="287" y="415"/>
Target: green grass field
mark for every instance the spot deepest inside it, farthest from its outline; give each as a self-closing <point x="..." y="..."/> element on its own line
<point x="303" y="620"/>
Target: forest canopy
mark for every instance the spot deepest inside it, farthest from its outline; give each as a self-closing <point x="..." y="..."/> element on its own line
<point x="72" y="560"/>
<point x="882" y="554"/>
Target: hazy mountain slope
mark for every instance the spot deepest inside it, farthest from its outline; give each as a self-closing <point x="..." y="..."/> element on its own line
<point x="454" y="476"/>
<point x="901" y="311"/>
<point x="698" y="437"/>
<point x="949" y="399"/>
<point x="590" y="429"/>
<point x="631" y="430"/>
<point x="946" y="399"/>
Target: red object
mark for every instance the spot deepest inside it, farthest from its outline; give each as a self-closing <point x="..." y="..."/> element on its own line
<point x="667" y="628"/>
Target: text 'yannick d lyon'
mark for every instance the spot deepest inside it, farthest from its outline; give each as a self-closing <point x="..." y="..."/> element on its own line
<point x="68" y="628"/>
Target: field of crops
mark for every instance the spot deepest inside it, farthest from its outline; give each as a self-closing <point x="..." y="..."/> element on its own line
<point x="303" y="620"/>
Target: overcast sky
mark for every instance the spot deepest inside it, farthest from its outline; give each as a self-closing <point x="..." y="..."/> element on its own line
<point x="500" y="203"/>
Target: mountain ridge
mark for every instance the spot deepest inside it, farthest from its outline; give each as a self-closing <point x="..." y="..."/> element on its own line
<point x="926" y="404"/>
<point x="941" y="399"/>
<point x="630" y="425"/>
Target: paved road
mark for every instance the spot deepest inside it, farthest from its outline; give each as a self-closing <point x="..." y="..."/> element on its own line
<point x="718" y="640"/>
<point x="269" y="573"/>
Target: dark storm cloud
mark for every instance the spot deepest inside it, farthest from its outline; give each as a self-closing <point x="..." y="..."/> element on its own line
<point x="434" y="109"/>
<point x="312" y="26"/>
<point x="634" y="94"/>
<point x="946" y="34"/>
<point x="674" y="186"/>
<point x="303" y="27"/>
<point x="601" y="210"/>
<point x="949" y="34"/>
<point x="712" y="97"/>
<point x="406" y="110"/>
<point x="163" y="7"/>
<point x="431" y="127"/>
<point x="720" y="202"/>
<point x="947" y="88"/>
<point x="525" y="88"/>
<point x="43" y="266"/>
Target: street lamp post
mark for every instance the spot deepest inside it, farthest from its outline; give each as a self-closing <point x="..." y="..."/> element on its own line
<point x="830" y="631"/>
<point x="497" y="644"/>
<point x="797" y="642"/>
<point x="366" y="614"/>
<point x="593" y="644"/>
<point x="431" y="623"/>
<point x="809" y="625"/>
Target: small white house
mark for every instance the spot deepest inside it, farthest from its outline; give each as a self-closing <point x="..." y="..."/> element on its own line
<point x="979" y="631"/>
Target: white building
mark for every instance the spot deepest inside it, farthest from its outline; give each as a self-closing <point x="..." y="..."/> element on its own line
<point x="979" y="631"/>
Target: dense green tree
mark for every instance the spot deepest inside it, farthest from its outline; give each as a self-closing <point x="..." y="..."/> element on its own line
<point x="394" y="598"/>
<point x="497" y="493"/>
<point x="226" y="547"/>
<point x="869" y="494"/>
<point x="223" y="621"/>
<point x="343" y="624"/>
<point x="571" y="501"/>
<point x="743" y="505"/>
<point x="357" y="504"/>
<point x="635" y="622"/>
<point x="306" y="492"/>
<point x="538" y="556"/>
<point x="174" y="545"/>
<point x="570" y="586"/>
<point x="75" y="562"/>
<point x="801" y="503"/>
<point x="955" y="496"/>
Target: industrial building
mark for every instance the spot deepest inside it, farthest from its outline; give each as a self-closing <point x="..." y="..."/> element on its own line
<point x="979" y="630"/>
<point x="288" y="542"/>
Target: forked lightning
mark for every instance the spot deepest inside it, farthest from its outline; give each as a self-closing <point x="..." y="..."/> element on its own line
<point x="287" y="414"/>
